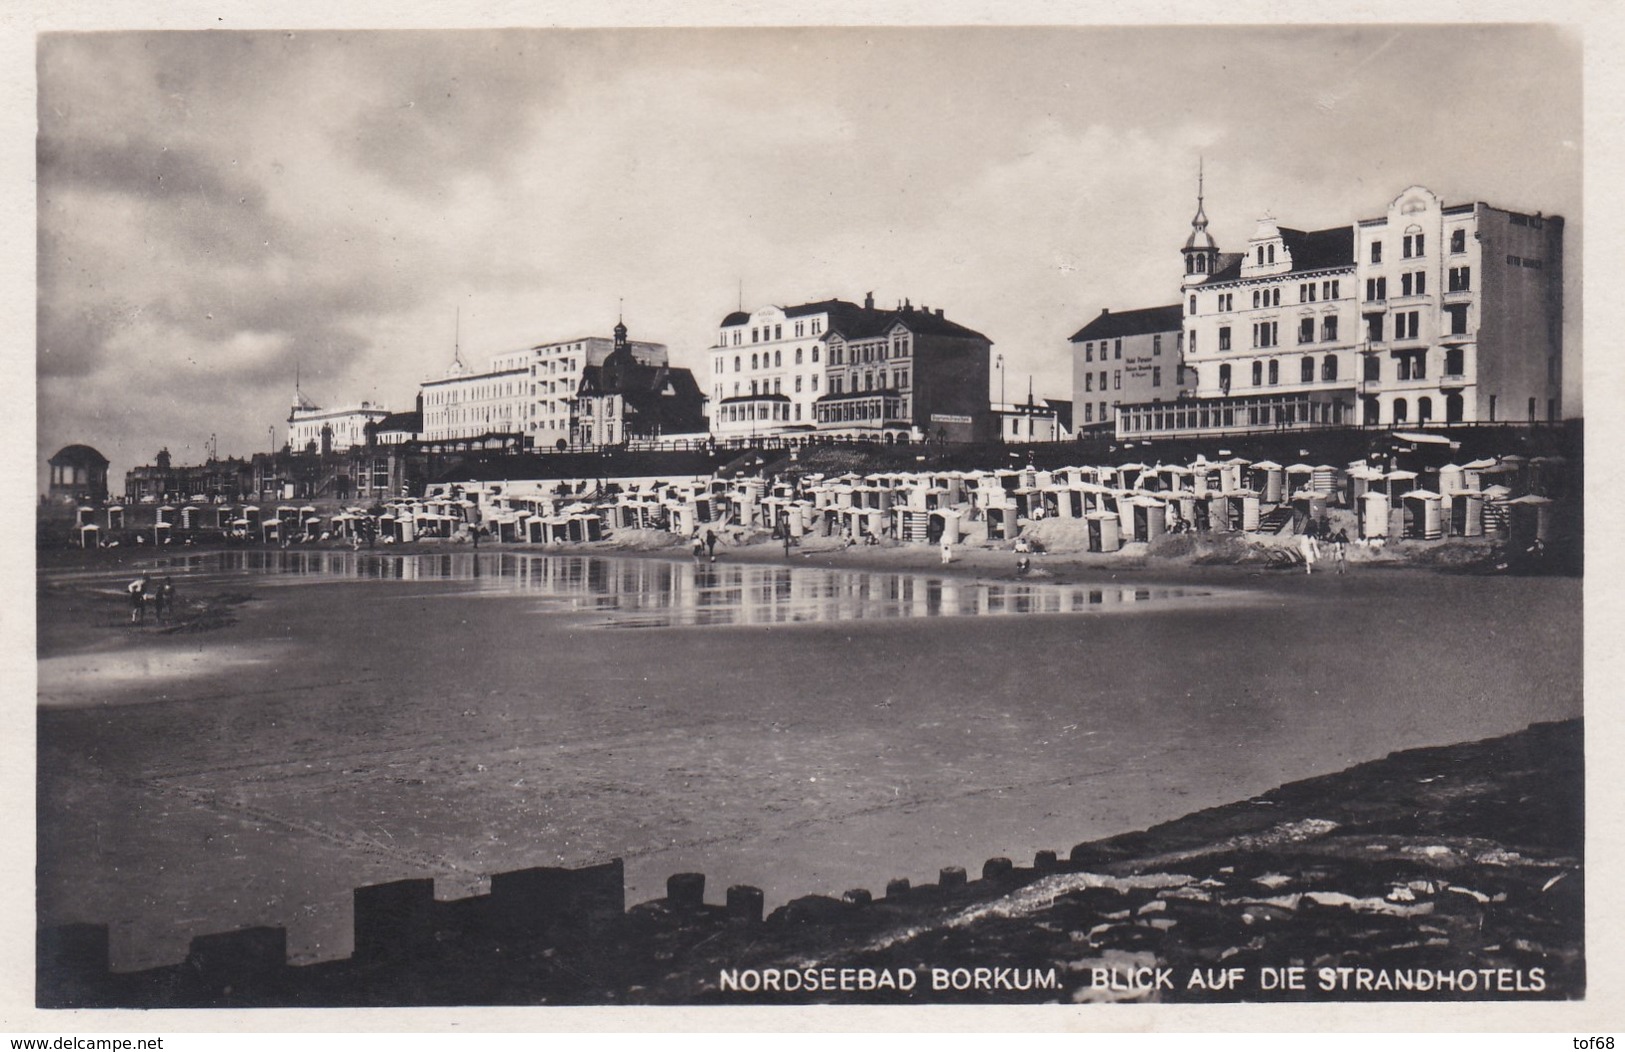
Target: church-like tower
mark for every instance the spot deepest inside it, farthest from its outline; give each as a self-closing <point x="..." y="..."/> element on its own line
<point x="1200" y="252"/>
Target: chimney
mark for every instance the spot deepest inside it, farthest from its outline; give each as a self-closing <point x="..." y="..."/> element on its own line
<point x="939" y="312"/>
<point x="869" y="301"/>
<point x="907" y="305"/>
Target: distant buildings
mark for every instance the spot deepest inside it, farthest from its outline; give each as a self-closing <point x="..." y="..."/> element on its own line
<point x="230" y="478"/>
<point x="845" y="371"/>
<point x="1428" y="314"/>
<point x="78" y="473"/>
<point x="313" y="429"/>
<point x="626" y="398"/>
<point x="530" y="394"/>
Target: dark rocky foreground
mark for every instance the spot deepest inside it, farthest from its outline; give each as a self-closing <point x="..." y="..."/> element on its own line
<point x="1432" y="874"/>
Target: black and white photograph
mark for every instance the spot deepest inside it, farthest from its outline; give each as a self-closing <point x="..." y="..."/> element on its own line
<point x="738" y="516"/>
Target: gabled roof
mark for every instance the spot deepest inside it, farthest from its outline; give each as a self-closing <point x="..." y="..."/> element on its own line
<point x="411" y="421"/>
<point x="862" y="323"/>
<point x="1309" y="249"/>
<point x="1320" y="249"/>
<point x="1131" y="323"/>
<point x="856" y="323"/>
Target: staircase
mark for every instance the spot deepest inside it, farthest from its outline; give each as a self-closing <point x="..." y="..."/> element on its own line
<point x="1278" y="521"/>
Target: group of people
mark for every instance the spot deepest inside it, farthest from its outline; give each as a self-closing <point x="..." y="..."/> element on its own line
<point x="703" y="546"/>
<point x="160" y="594"/>
<point x="1309" y="545"/>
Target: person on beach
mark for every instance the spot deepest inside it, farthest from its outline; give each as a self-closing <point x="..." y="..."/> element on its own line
<point x="947" y="552"/>
<point x="165" y="606"/>
<point x="711" y="543"/>
<point x="138" y="600"/>
<point x="698" y="546"/>
<point x="1340" y="551"/>
<point x="1309" y="548"/>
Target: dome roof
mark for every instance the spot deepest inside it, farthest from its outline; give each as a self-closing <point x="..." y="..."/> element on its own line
<point x="79" y="455"/>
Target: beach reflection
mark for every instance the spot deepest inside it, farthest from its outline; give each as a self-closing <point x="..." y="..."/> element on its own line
<point x="657" y="593"/>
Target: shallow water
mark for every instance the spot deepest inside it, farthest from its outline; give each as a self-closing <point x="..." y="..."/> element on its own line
<point x="825" y="730"/>
<point x="654" y="593"/>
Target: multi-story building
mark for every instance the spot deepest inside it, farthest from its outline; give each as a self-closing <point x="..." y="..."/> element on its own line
<point x="627" y="400"/>
<point x="1125" y="357"/>
<point x="466" y="404"/>
<point x="849" y="371"/>
<point x="1408" y="319"/>
<point x="1461" y="311"/>
<point x="314" y="429"/>
<point x="555" y="373"/>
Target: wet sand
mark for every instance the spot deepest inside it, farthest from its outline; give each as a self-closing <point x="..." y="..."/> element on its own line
<point x="412" y="728"/>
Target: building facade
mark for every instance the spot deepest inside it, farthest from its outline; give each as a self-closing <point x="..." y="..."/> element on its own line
<point x="1461" y="310"/>
<point x="314" y="429"/>
<point x="1127" y="356"/>
<point x="1428" y="314"/>
<point x="625" y="399"/>
<point x="850" y="371"/>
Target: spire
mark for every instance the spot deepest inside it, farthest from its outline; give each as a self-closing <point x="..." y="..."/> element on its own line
<point x="1201" y="253"/>
<point x="1199" y="221"/>
<point x="457" y="368"/>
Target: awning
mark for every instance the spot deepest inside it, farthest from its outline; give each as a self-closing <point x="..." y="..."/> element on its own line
<point x="1414" y="436"/>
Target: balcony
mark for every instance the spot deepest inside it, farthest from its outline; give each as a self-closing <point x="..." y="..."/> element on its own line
<point x="1455" y="380"/>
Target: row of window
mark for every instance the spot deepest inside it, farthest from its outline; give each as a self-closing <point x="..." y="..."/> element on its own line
<point x="1117" y="378"/>
<point x="458" y="395"/>
<point x="1522" y="261"/>
<point x="866" y="409"/>
<point x="863" y="353"/>
<point x="767" y="333"/>
<point x="762" y="361"/>
<point x="1407" y="324"/>
<point x="770" y="411"/>
<point x="1413" y="244"/>
<point x="1272" y="370"/>
<point x="1089" y="348"/>
<point x="1089" y="411"/>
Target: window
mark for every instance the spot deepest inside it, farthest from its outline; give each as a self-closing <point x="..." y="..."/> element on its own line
<point x="1328" y="290"/>
<point x="1258" y="374"/>
<point x="1088" y="412"/>
<point x="1088" y="352"/>
<point x="778" y="332"/>
<point x="753" y="335"/>
<point x="1271" y="252"/>
<point x="1156" y="343"/>
<point x="1306" y="371"/>
<point x="815" y="384"/>
<point x="1224" y="338"/>
<point x="1492" y="409"/>
<point x="1376" y="289"/>
<point x="815" y="361"/>
<point x="1401" y="411"/>
<point x="1373" y="369"/>
<point x="1306" y="330"/>
<point x="1328" y="328"/>
<point x="1328" y="367"/>
<point x="1260" y="255"/>
<point x="1103" y="412"/>
<point x="1458" y="319"/>
<point x="1265" y="333"/>
<point x="1455" y="360"/>
<point x="1117" y="379"/>
<point x="1193" y="305"/>
<point x="1376" y="251"/>
<point x="817" y="327"/>
<point x="1102" y="379"/>
<point x="1224" y="378"/>
<point x="1274" y="296"/>
<point x="1460" y="279"/>
<point x="736" y="363"/>
<point x="1117" y="347"/>
<point x="1227" y="301"/>
<point x="1156" y="376"/>
<point x="1193" y="341"/>
<point x="1406" y="325"/>
<point x="800" y="325"/>
<point x="776" y="389"/>
<point x="1088" y="381"/>
<point x="1458" y="240"/>
<point x="778" y="359"/>
<point x="1275" y="372"/>
<point x="1255" y="299"/>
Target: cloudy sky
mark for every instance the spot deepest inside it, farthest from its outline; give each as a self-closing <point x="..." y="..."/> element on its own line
<point x="217" y="209"/>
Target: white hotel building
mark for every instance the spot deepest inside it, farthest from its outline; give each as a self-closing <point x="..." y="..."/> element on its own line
<point x="1426" y="315"/>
